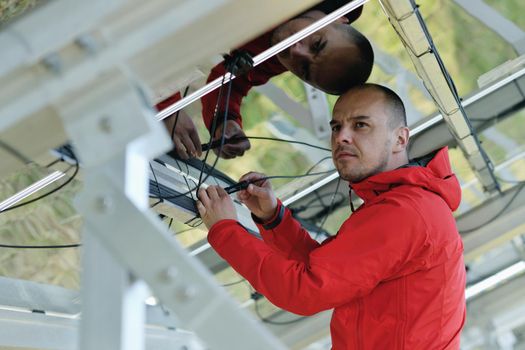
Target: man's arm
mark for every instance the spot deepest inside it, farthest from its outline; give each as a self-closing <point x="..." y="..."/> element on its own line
<point x="366" y="252"/>
<point x="286" y="235"/>
<point x="268" y="212"/>
<point x="181" y="129"/>
<point x="241" y="85"/>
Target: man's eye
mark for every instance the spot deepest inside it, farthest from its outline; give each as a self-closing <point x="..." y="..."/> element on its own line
<point x="335" y="128"/>
<point x="318" y="45"/>
<point x="360" y="125"/>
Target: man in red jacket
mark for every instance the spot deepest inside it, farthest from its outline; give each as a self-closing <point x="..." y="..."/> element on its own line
<point x="394" y="273"/>
<point x="332" y="59"/>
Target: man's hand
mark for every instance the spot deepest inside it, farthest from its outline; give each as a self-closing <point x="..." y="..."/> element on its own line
<point x="185" y="136"/>
<point x="231" y="150"/>
<point x="259" y="196"/>
<point x="215" y="205"/>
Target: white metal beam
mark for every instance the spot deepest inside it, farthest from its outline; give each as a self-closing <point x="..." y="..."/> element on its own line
<point x="136" y="36"/>
<point x="406" y="19"/>
<point x="114" y="139"/>
<point x="490" y="17"/>
<point x="29" y="330"/>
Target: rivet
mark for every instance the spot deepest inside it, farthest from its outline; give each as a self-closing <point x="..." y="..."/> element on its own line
<point x="185" y="293"/>
<point x="104" y="124"/>
<point x="103" y="204"/>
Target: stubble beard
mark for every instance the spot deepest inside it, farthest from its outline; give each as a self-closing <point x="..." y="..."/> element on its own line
<point x="359" y="173"/>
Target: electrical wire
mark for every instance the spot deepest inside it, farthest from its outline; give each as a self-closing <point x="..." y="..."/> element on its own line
<point x="58" y="160"/>
<point x="332" y="201"/>
<point x="262" y="179"/>
<point x="172" y="133"/>
<point x="233" y="283"/>
<point x="214" y="126"/>
<point x="454" y="91"/>
<point x="157" y="184"/>
<point x="71" y="178"/>
<point x="173" y="130"/>
<point x="316" y="164"/>
<point x="177" y="114"/>
<point x="58" y="246"/>
<point x="17" y="154"/>
<point x="502" y="210"/>
<point x="287" y="141"/>
<point x="269" y="321"/>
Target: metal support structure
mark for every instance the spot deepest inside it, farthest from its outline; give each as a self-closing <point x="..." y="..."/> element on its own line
<point x="495" y="101"/>
<point x="115" y="208"/>
<point x="113" y="308"/>
<point x="319" y="111"/>
<point x="404" y="79"/>
<point x="490" y="17"/>
<point x="407" y="21"/>
<point x="30" y="330"/>
<point x="101" y="94"/>
<point x="136" y="36"/>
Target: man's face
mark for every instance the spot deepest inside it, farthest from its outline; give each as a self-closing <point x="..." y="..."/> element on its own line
<point x="322" y="58"/>
<point x="361" y="137"/>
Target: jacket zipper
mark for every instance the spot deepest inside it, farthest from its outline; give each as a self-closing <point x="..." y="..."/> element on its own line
<point x="359" y="321"/>
<point x="402" y="312"/>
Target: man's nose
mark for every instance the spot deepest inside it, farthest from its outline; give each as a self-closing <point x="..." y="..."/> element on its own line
<point x="343" y="137"/>
<point x="300" y="51"/>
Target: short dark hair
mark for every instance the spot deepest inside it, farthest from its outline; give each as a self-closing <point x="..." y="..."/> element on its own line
<point x="398" y="115"/>
<point x="363" y="63"/>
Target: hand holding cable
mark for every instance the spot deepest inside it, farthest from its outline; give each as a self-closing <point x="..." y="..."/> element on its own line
<point x="214" y="205"/>
<point x="258" y="195"/>
<point x="235" y="143"/>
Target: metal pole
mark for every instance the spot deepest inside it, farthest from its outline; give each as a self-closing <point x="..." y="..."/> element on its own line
<point x="263" y="56"/>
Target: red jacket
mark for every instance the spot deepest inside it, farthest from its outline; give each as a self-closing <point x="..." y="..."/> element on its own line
<point x="394" y="273"/>
<point x="255" y="77"/>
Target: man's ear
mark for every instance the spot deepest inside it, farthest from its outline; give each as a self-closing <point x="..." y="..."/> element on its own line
<point x="401" y="139"/>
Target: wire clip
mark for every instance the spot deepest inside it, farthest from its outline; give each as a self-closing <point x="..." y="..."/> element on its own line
<point x="238" y="62"/>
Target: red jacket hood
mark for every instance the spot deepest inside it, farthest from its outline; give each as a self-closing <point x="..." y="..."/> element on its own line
<point x="435" y="176"/>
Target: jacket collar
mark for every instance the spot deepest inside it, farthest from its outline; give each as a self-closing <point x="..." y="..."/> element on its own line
<point x="431" y="172"/>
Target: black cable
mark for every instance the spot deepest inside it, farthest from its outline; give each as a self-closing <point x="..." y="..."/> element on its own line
<point x="17" y="154"/>
<point x="59" y="246"/>
<point x="316" y="164"/>
<point x="58" y="160"/>
<point x="309" y="205"/>
<point x="454" y="91"/>
<point x="269" y="321"/>
<point x="287" y="141"/>
<point x="177" y="114"/>
<point x="295" y="176"/>
<point x="234" y="139"/>
<point x="214" y="125"/>
<point x="262" y="179"/>
<point x="175" y="125"/>
<point x="48" y="193"/>
<point x="330" y="208"/>
<point x="233" y="283"/>
<point x="156" y="183"/>
<point x="172" y="134"/>
<point x="505" y="207"/>
<point x="212" y="132"/>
